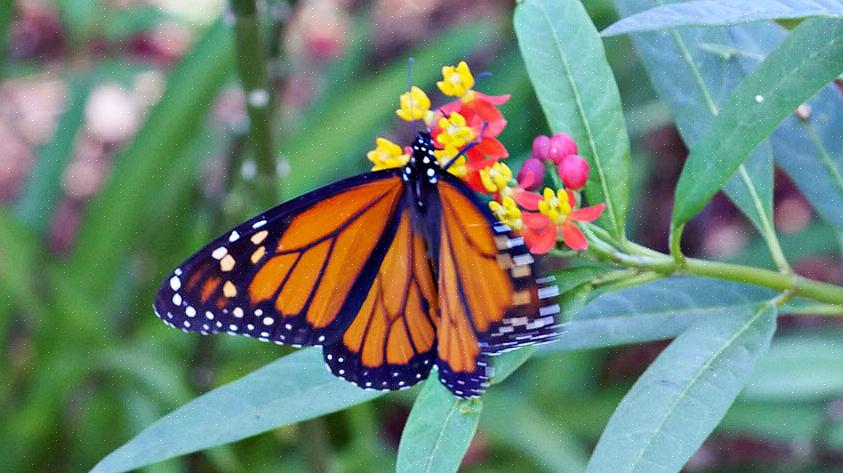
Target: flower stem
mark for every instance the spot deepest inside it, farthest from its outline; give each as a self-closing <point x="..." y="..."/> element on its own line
<point x="666" y="264"/>
<point x="252" y="68"/>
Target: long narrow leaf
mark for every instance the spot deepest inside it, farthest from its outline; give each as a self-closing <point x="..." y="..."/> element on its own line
<point x="654" y="311"/>
<point x="810" y="57"/>
<point x="706" y="64"/>
<point x="811" y="364"/>
<point x="722" y="12"/>
<point x="683" y="395"/>
<point x="575" y="86"/>
<point x="810" y="150"/>
<point x="294" y="388"/>
<point x="438" y="431"/>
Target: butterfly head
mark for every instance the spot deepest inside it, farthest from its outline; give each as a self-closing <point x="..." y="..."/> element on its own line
<point x="423" y="166"/>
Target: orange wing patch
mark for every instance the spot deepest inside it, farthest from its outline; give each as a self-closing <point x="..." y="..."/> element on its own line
<point x="390" y="343"/>
<point x="488" y="297"/>
<point x="314" y="267"/>
<point x="289" y="274"/>
<point x="479" y="290"/>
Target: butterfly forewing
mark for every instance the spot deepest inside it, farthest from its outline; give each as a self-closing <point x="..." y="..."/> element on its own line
<point x="292" y="274"/>
<point x="490" y="297"/>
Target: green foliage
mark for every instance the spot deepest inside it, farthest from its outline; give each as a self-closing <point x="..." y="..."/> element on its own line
<point x="438" y="431"/>
<point x="577" y="91"/>
<point x="111" y="221"/>
<point x="286" y="391"/>
<point x="722" y="12"/>
<point x="810" y="151"/>
<point x="654" y="311"/>
<point x="683" y="395"/>
<point x="796" y="70"/>
<point x="90" y="367"/>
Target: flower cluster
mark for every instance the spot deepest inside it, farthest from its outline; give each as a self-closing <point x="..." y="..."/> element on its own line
<point x="543" y="218"/>
<point x="471" y="123"/>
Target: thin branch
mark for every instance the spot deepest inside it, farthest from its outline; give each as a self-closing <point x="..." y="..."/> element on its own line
<point x="252" y="68"/>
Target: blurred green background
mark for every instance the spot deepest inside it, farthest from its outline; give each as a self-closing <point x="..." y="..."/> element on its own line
<point x="123" y="148"/>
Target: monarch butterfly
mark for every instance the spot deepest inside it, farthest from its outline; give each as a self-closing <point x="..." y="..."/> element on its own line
<point x="391" y="272"/>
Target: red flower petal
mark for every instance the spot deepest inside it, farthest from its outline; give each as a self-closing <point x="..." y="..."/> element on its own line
<point x="491" y="148"/>
<point x="450" y="108"/>
<point x="527" y="200"/>
<point x="484" y="112"/>
<point x="573" y="237"/>
<point x="540" y="234"/>
<point x="492" y="99"/>
<point x="536" y="221"/>
<point x="588" y="214"/>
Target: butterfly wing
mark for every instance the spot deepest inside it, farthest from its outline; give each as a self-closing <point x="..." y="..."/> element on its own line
<point x="489" y="295"/>
<point x="391" y="342"/>
<point x="292" y="274"/>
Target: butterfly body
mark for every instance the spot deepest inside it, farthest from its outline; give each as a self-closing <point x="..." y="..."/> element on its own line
<point x="391" y="272"/>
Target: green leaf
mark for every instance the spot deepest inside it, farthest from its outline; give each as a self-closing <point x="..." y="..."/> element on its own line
<point x="575" y="86"/>
<point x="518" y="425"/>
<point x="810" y="150"/>
<point x="338" y="136"/>
<point x="810" y="57"/>
<point x="43" y="186"/>
<point x="112" y="224"/>
<point x="801" y="368"/>
<point x="722" y="12"/>
<point x="19" y="255"/>
<point x="506" y="363"/>
<point x="291" y="389"/>
<point x="684" y="394"/>
<point x="655" y="311"/>
<point x="706" y="64"/>
<point x="778" y="421"/>
<point x="438" y="431"/>
<point x="569" y="278"/>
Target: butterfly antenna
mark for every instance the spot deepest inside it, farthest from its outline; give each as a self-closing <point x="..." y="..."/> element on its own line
<point x="410" y="62"/>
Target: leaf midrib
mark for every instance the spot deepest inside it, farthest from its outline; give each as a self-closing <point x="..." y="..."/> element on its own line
<point x="581" y="113"/>
<point x="438" y="442"/>
<point x="693" y="381"/>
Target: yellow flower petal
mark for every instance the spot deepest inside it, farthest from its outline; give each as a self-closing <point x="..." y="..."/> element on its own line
<point x="415" y="105"/>
<point x="456" y="81"/>
<point x="455" y="132"/>
<point x="387" y="155"/>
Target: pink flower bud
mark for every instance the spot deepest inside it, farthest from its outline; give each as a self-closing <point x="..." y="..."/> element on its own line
<point x="561" y="146"/>
<point x="574" y="171"/>
<point x="541" y="147"/>
<point x="531" y="175"/>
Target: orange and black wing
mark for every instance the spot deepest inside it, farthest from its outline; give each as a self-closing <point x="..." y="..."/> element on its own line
<point x="294" y="273"/>
<point x="391" y="343"/>
<point x="490" y="297"/>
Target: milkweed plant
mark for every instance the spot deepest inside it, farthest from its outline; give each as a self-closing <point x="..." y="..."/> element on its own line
<point x="755" y="94"/>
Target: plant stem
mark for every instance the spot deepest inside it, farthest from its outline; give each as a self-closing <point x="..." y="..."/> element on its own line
<point x="252" y="68"/>
<point x="665" y="264"/>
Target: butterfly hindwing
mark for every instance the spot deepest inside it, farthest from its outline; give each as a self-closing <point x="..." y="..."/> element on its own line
<point x="290" y="274"/>
<point x="391" y="342"/>
<point x="490" y="297"/>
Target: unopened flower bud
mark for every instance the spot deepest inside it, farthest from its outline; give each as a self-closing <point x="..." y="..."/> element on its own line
<point x="561" y="146"/>
<point x="532" y="172"/>
<point x="541" y="147"/>
<point x="574" y="171"/>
